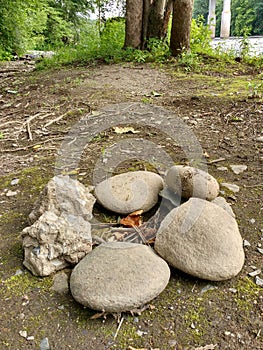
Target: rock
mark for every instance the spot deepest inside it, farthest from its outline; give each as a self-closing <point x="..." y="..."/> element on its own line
<point x="201" y="239"/>
<point x="238" y="169"/>
<point x="191" y="182"/>
<point x="10" y="193"/>
<point x="61" y="283"/>
<point x="53" y="242"/>
<point x="221" y="202"/>
<point x="118" y="277"/>
<point x="44" y="344"/>
<point x="64" y="195"/>
<point x="231" y="187"/>
<point x="130" y="191"/>
<point x="222" y="168"/>
<point x="259" y="139"/>
<point x="14" y="182"/>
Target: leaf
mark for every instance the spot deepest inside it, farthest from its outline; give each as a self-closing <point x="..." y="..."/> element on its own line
<point x="133" y="219"/>
<point x="156" y="94"/>
<point x="125" y="130"/>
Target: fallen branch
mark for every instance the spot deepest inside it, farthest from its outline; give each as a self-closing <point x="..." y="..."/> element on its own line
<point x="56" y="119"/>
<point x="29" y="131"/>
<point x="119" y="327"/>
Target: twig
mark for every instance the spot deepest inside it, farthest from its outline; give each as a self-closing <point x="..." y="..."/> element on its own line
<point x="122" y="229"/>
<point x="31" y="146"/>
<point x="216" y="160"/>
<point x="258" y="185"/>
<point x="140" y="234"/>
<point x="119" y="327"/>
<point x="29" y="131"/>
<point x="56" y="119"/>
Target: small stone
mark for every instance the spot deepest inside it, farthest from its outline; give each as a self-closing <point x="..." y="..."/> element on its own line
<point x="118" y="277"/>
<point x="246" y="243"/>
<point x="222" y="168"/>
<point x="18" y="272"/>
<point x="60" y="283"/>
<point x="207" y="288"/>
<point x="31" y="337"/>
<point x="130" y="191"/>
<point x="201" y="239"/>
<point x="259" y="281"/>
<point x="231" y="187"/>
<point x="252" y="221"/>
<point x="23" y="334"/>
<point x="233" y="290"/>
<point x="10" y="193"/>
<point x="259" y="139"/>
<point x="14" y="182"/>
<point x="260" y="250"/>
<point x="255" y="273"/>
<point x="189" y="182"/>
<point x="44" y="344"/>
<point x="238" y="169"/>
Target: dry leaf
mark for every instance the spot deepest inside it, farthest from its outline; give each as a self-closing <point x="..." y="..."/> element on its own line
<point x="99" y="315"/>
<point x="125" y="130"/>
<point x="133" y="219"/>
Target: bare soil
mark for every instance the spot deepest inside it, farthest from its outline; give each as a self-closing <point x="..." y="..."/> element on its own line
<point x="37" y="110"/>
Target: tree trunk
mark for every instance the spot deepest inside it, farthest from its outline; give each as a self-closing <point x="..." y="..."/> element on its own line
<point x="166" y="18"/>
<point x="181" y="26"/>
<point x="134" y="19"/>
<point x="156" y="18"/>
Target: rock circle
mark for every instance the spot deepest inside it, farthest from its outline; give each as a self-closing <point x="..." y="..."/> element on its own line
<point x="191" y="182"/>
<point x="119" y="276"/>
<point x="201" y="239"/>
<point x="130" y="191"/>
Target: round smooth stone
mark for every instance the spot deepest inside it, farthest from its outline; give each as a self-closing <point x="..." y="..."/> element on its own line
<point x="128" y="192"/>
<point x="201" y="239"/>
<point x="191" y="182"/>
<point x="119" y="276"/>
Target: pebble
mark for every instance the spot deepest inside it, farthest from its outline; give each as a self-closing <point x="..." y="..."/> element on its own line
<point x="233" y="290"/>
<point x="246" y="243"/>
<point x="252" y="221"/>
<point x="259" y="139"/>
<point x="231" y="187"/>
<point x="23" y="334"/>
<point x="14" y="182"/>
<point x="10" y="193"/>
<point x="260" y="250"/>
<point x="222" y="168"/>
<point x="255" y="273"/>
<point x="238" y="169"/>
<point x="259" y="281"/>
<point x="44" y="344"/>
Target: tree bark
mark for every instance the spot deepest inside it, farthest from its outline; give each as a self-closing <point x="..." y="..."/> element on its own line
<point x="134" y="20"/>
<point x="181" y="26"/>
<point x="156" y="17"/>
<point x="166" y="19"/>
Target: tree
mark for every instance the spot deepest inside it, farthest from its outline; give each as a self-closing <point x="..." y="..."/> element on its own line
<point x="181" y="26"/>
<point x="149" y="19"/>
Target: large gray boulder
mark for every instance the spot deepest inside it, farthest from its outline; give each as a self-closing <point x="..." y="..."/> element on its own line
<point x="65" y="195"/>
<point x="118" y="277"/>
<point x="53" y="242"/>
<point x="130" y="191"/>
<point x="191" y="182"/>
<point x="201" y="239"/>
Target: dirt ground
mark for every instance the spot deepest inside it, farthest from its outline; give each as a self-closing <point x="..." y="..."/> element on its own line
<point x="37" y="110"/>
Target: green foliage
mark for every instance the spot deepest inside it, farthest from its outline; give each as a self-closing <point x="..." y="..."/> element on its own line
<point x="242" y="17"/>
<point x="200" y="40"/>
